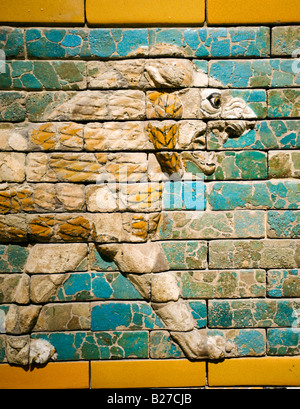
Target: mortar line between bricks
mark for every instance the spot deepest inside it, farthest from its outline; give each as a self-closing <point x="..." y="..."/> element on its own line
<point x="271" y="42"/>
<point x="90" y="375"/>
<point x="269" y="239"/>
<point x="85" y="12"/>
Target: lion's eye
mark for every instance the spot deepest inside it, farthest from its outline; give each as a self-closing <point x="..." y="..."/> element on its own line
<point x="215" y="100"/>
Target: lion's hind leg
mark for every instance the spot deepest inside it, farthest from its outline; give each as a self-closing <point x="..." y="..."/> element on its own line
<point x="146" y="267"/>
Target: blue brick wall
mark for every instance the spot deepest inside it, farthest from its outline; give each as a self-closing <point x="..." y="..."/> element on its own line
<point x="231" y="237"/>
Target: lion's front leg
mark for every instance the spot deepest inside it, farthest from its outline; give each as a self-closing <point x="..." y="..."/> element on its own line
<point x="146" y="266"/>
<point x="178" y="319"/>
<point x="197" y="345"/>
<point x="163" y="292"/>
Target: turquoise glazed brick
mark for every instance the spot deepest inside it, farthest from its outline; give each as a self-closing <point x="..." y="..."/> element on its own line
<point x="201" y="65"/>
<point x="12" y="107"/>
<point x="101" y="43"/>
<point x="284" y="164"/>
<point x="84" y="43"/>
<point x="274" y="134"/>
<point x="131" y="42"/>
<point x="219" y="314"/>
<point x="256" y="100"/>
<point x="173" y="38"/>
<point x="98" y="263"/>
<point x="230" y="74"/>
<point x="137" y="316"/>
<point x="95" y="286"/>
<point x="283" y="341"/>
<point x="285" y="40"/>
<point x="240" y="165"/>
<point x="199" y="313"/>
<point x="117" y="43"/>
<point x="249" y="224"/>
<point x="11" y="42"/>
<point x="97" y="345"/>
<point x="207" y="225"/>
<point x="40" y="104"/>
<point x="163" y="347"/>
<point x="231" y="166"/>
<point x="250" y="342"/>
<point x="13" y="258"/>
<point x="284" y="103"/>
<point x="224" y="284"/>
<point x="283" y="224"/>
<point x="211" y="42"/>
<point x="112" y="316"/>
<point x="184" y="195"/>
<point x="57" y="43"/>
<point x="275" y="73"/>
<point x="248" y="41"/>
<point x="67" y="344"/>
<point x="252" y="313"/>
<point x="246" y="342"/>
<point x="265" y="254"/>
<point x="183" y="255"/>
<point x="39" y="75"/>
<point x="263" y="195"/>
<point x="284" y="283"/>
<point x="279" y="134"/>
<point x="2" y="348"/>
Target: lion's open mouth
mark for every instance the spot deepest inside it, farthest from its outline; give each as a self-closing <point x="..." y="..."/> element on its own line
<point x="205" y="162"/>
<point x="224" y="130"/>
<point x="238" y="128"/>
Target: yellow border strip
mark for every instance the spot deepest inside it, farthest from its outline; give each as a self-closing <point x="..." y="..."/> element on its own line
<point x="56" y="375"/>
<point x="272" y="371"/>
<point x="41" y="11"/>
<point x="147" y="374"/>
<point x="149" y="13"/>
<point x="141" y="12"/>
<point x="238" y="372"/>
<point x="252" y="11"/>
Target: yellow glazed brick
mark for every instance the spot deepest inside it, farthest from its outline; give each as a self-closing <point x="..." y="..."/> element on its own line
<point x="252" y="11"/>
<point x="107" y="12"/>
<point x="272" y="371"/>
<point x="147" y="374"/>
<point x="56" y="375"/>
<point x="41" y="11"/>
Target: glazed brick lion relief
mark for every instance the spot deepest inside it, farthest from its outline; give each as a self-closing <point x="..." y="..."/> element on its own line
<point x="174" y="133"/>
<point x="180" y="162"/>
<point x="135" y="201"/>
